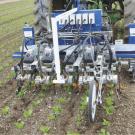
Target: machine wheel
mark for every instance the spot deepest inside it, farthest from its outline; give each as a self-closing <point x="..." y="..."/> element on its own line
<point x="129" y="11"/>
<point x="92" y="101"/>
<point x="42" y="14"/>
<point x="129" y="16"/>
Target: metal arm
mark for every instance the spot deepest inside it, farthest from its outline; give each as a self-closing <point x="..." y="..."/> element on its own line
<point x="54" y="21"/>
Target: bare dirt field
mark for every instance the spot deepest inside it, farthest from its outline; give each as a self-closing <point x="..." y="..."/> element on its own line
<point x="122" y="121"/>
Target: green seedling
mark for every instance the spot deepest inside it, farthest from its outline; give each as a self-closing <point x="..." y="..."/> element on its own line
<point x="110" y="86"/>
<point x="44" y="129"/>
<point x="109" y="107"/>
<point x="27" y="113"/>
<point x="1" y="69"/>
<point x="22" y="93"/>
<point x="68" y="89"/>
<point x="46" y="86"/>
<point x="56" y="110"/>
<point x="10" y="76"/>
<point x="5" y="110"/>
<point x="104" y="132"/>
<point x="37" y="102"/>
<point x="109" y="101"/>
<point x="106" y="123"/>
<point x="78" y="120"/>
<point x="19" y="125"/>
<point x="61" y="100"/>
<point x="109" y="110"/>
<point x="51" y="117"/>
<point x="83" y="104"/>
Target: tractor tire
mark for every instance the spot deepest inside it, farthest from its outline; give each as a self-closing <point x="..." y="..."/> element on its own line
<point x="42" y="14"/>
<point x="129" y="11"/>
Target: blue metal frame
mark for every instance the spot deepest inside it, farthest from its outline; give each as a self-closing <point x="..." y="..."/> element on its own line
<point x="85" y="28"/>
<point x="29" y="41"/>
<point x="131" y="38"/>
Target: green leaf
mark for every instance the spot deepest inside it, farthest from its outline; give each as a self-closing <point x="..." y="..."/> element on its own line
<point x="5" y="110"/>
<point x="37" y="102"/>
<point x="106" y="122"/>
<point x="19" y="125"/>
<point x="51" y="117"/>
<point x="56" y="110"/>
<point x="104" y="132"/>
<point x="61" y="100"/>
<point x="45" y="129"/>
<point x="28" y="113"/>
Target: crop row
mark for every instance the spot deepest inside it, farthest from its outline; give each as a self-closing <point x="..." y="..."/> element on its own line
<point x="12" y="19"/>
<point x="14" y="12"/>
<point x="9" y="7"/>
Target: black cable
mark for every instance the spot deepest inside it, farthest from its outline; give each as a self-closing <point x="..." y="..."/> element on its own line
<point x="72" y="53"/>
<point x="106" y="45"/>
<point x="22" y="57"/>
<point x="111" y="56"/>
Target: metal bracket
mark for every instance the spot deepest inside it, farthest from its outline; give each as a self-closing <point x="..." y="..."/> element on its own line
<point x="54" y="21"/>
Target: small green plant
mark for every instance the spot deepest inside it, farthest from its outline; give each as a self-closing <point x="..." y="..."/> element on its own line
<point x="56" y="110"/>
<point x="27" y="113"/>
<point x="83" y="104"/>
<point x="72" y="133"/>
<point x="45" y="87"/>
<point x="78" y="119"/>
<point x="5" y="110"/>
<point x="36" y="102"/>
<point x="106" y="122"/>
<point x="19" y="125"/>
<point x="61" y="100"/>
<point x="44" y="129"/>
<point x="68" y="88"/>
<point x="109" y="107"/>
<point x="22" y="93"/>
<point x="109" y="101"/>
<point x="111" y="86"/>
<point x="104" y="132"/>
<point x="51" y="117"/>
<point x="109" y="110"/>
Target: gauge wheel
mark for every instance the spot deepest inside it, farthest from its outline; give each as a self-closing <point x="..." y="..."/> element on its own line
<point x="92" y="104"/>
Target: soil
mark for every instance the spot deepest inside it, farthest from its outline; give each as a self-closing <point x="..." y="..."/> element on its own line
<point x="122" y="121"/>
<point x="7" y="1"/>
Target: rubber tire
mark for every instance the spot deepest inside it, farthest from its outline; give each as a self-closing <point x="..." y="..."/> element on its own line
<point x="92" y="94"/>
<point x="42" y="16"/>
<point x="129" y="11"/>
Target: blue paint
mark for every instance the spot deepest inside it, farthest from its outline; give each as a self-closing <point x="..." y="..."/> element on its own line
<point x="131" y="38"/>
<point x="31" y="40"/>
<point x="85" y="28"/>
<point x="125" y="56"/>
<point x="18" y="55"/>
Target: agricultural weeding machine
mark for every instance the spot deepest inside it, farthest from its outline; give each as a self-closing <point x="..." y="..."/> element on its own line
<point x="72" y="45"/>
